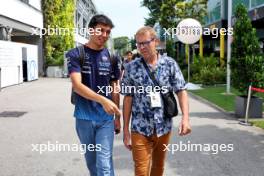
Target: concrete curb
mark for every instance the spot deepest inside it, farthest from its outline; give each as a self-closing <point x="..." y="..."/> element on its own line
<point x="230" y="115"/>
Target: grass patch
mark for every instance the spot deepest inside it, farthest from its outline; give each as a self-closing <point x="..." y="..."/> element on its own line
<point x="217" y="95"/>
<point x="258" y="123"/>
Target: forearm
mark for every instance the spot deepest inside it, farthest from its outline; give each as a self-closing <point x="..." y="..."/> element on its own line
<point x="116" y="99"/>
<point x="83" y="90"/>
<point x="115" y="93"/>
<point x="184" y="104"/>
<point x="127" y="103"/>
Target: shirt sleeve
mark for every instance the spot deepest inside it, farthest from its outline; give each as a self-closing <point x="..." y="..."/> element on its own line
<point x="126" y="83"/>
<point x="73" y="61"/>
<point x="177" y="80"/>
<point x="116" y="68"/>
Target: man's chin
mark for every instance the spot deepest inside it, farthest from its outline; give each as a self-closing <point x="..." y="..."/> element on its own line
<point x="146" y="56"/>
<point x="100" y="44"/>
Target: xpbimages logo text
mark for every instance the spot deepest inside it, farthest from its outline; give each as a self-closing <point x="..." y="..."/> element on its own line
<point x="189" y="31"/>
<point x="62" y="147"/>
<point x="195" y="30"/>
<point x="63" y="31"/>
<point x="195" y="147"/>
<point x="107" y="90"/>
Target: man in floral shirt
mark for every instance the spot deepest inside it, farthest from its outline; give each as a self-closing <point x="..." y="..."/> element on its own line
<point x="150" y="130"/>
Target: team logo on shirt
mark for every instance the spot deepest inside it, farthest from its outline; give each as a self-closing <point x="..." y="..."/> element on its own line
<point x="104" y="58"/>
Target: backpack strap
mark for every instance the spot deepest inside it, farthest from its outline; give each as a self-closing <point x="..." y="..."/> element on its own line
<point x="111" y="59"/>
<point x="150" y="74"/>
<point x="81" y="52"/>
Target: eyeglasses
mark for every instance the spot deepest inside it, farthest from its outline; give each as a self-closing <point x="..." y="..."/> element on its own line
<point x="144" y="44"/>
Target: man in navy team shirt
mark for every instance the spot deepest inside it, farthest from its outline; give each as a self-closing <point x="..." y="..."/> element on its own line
<point x="95" y="109"/>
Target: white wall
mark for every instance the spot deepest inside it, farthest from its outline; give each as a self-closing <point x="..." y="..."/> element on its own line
<point x="32" y="61"/>
<point x="11" y="62"/>
<point x="35" y="3"/>
<point x="20" y="11"/>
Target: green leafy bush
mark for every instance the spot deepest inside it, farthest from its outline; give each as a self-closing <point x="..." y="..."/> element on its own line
<point x="207" y="71"/>
<point x="58" y="14"/>
<point x="248" y="70"/>
<point x="170" y="49"/>
<point x="247" y="64"/>
<point x="212" y="75"/>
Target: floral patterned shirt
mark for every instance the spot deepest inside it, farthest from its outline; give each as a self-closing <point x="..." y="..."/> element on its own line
<point x="146" y="120"/>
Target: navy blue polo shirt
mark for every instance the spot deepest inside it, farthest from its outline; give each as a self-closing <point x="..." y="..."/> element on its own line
<point x="97" y="73"/>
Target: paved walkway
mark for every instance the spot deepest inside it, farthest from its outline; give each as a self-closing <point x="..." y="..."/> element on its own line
<point x="49" y="119"/>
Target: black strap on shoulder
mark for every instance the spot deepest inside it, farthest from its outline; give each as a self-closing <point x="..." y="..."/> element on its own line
<point x="81" y="52"/>
<point x="151" y="74"/>
<point x="113" y="59"/>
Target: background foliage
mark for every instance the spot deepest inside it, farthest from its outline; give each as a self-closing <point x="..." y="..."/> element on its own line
<point x="247" y="63"/>
<point x="57" y="14"/>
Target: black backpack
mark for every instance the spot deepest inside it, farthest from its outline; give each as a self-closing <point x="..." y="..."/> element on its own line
<point x="81" y="52"/>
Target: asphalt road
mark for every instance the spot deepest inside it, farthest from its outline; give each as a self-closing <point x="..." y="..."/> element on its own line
<point x="218" y="145"/>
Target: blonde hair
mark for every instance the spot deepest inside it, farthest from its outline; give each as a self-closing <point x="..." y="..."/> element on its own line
<point x="146" y="29"/>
